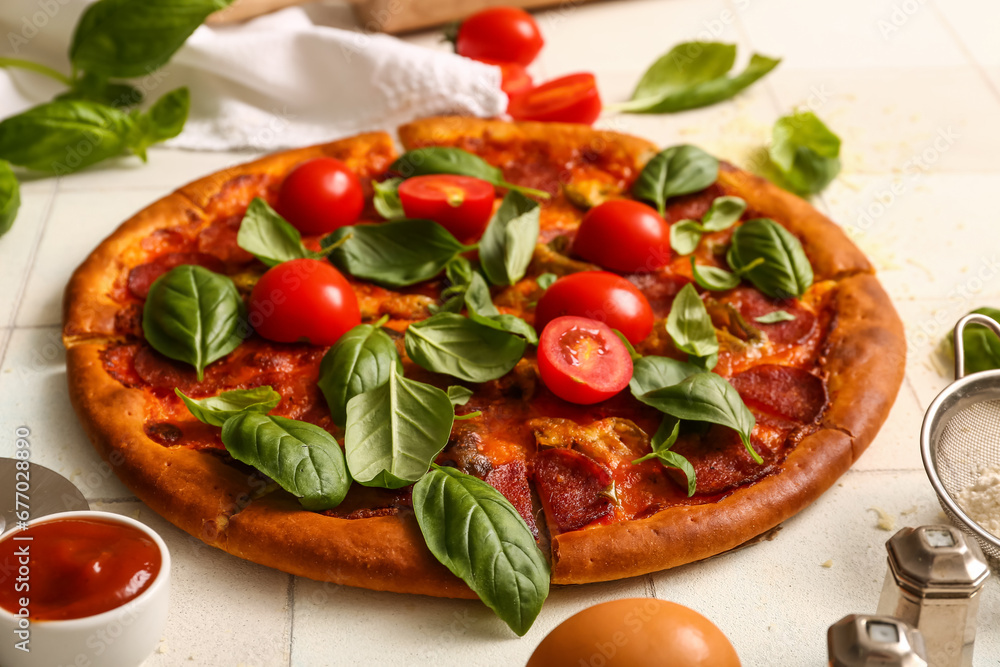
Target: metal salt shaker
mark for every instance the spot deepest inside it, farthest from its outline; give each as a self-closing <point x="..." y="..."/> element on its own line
<point x="933" y="584"/>
<point x="874" y="641"/>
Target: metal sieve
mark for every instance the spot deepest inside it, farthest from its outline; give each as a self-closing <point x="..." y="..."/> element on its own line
<point x="961" y="434"/>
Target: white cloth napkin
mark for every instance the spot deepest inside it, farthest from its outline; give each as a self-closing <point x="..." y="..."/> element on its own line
<point x="278" y="81"/>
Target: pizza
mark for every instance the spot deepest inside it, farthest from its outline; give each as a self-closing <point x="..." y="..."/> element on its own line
<point x="807" y="375"/>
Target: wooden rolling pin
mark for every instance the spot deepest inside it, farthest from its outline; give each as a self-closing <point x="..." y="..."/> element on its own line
<point x="392" y="16"/>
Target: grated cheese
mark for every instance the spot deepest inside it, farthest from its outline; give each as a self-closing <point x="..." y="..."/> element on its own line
<point x="981" y="499"/>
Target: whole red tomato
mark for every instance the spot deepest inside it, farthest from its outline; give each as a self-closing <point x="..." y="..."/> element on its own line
<point x="624" y="236"/>
<point x="598" y="295"/>
<point x="507" y="34"/>
<point x="582" y="360"/>
<point x="320" y="195"/>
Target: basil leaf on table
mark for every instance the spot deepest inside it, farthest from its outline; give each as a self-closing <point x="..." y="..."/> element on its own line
<point x="386" y="198"/>
<point x="508" y="243"/>
<point x="805" y="152"/>
<point x="10" y="197"/>
<point x="193" y="315"/>
<point x="164" y="120"/>
<point x="215" y="410"/>
<point x="394" y="254"/>
<point x="982" y="346"/>
<point x="775" y="317"/>
<point x="459" y="395"/>
<point x="685" y="236"/>
<point x="450" y="160"/>
<point x="474" y="531"/>
<point x="678" y="170"/>
<point x="706" y="397"/>
<point x="395" y="431"/>
<point x="362" y="360"/>
<point x="661" y="442"/>
<point x="690" y="326"/>
<point x="463" y="348"/>
<point x="692" y="75"/>
<point x="713" y="278"/>
<point x="652" y="372"/>
<point x="301" y="457"/>
<point x="130" y="38"/>
<point x="268" y="236"/>
<point x="770" y="257"/>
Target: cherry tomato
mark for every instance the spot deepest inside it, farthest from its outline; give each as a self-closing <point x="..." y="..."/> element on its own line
<point x="569" y="99"/>
<point x="500" y="33"/>
<point x="599" y="295"/>
<point x="320" y="195"/>
<point x="514" y="78"/>
<point x="582" y="360"/>
<point x="625" y="236"/>
<point x="460" y="204"/>
<point x="303" y="299"/>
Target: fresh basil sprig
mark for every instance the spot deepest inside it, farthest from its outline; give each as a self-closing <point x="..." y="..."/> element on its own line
<point x="193" y="315"/>
<point x="774" y="317"/>
<point x="301" y="457"/>
<point x="450" y="160"/>
<point x="164" y="120"/>
<point x="459" y="395"/>
<point x="215" y="410"/>
<point x="268" y="236"/>
<point x="480" y="307"/>
<point x="362" y="360"/>
<point x="395" y="431"/>
<point x="805" y="153"/>
<point x="770" y="257"/>
<point x="713" y="278"/>
<point x="386" y="198"/>
<point x="678" y="170"/>
<point x="10" y="197"/>
<point x="690" y="325"/>
<point x="474" y="531"/>
<point x="692" y="75"/>
<point x="653" y="372"/>
<point x="508" y="243"/>
<point x="463" y="348"/>
<point x="661" y="442"/>
<point x="721" y="215"/>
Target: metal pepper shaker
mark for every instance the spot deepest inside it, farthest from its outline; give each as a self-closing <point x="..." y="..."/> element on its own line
<point x="933" y="584"/>
<point x="874" y="641"/>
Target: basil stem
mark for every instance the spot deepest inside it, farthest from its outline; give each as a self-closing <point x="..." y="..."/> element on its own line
<point x="386" y="199"/>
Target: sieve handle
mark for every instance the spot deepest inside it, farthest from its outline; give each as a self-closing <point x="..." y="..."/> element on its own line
<point x="972" y="318"/>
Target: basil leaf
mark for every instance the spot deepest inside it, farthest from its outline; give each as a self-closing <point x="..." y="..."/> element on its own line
<point x="386" y="198"/>
<point x="215" y="410"/>
<point x="713" y="278"/>
<point x="690" y="326"/>
<point x="508" y="243"/>
<point x="130" y="38"/>
<point x="361" y="360"/>
<point x="678" y="170"/>
<point x="635" y="356"/>
<point x="685" y="236"/>
<point x="723" y="214"/>
<point x="10" y="197"/>
<point x="268" y="236"/>
<point x="395" y="431"/>
<point x="982" y="347"/>
<point x="193" y="315"/>
<point x="463" y="348"/>
<point x="478" y="299"/>
<point x="774" y="317"/>
<point x="459" y="395"/>
<point x="394" y="254"/>
<point x="805" y="152"/>
<point x="474" y="531"/>
<point x="661" y="442"/>
<point x="95" y="88"/>
<point x="652" y="372"/>
<point x="546" y="279"/>
<point x="450" y="160"/>
<point x="63" y="136"/>
<point x="769" y="256"/>
<point x="509" y="323"/>
<point x="301" y="457"/>
<point x="706" y="397"/>
<point x="163" y="121"/>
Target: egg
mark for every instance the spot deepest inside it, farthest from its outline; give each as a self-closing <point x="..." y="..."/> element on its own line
<point x="635" y="632"/>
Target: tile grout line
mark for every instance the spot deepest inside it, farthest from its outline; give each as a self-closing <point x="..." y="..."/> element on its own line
<point x="291" y="618"/>
<point x="965" y="50"/>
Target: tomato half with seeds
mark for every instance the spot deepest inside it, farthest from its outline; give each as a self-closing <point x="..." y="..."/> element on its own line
<point x="320" y="195"/>
<point x="303" y="300"/>
<point x="568" y="99"/>
<point x="624" y="236"/>
<point x="508" y="34"/>
<point x="598" y="295"/>
<point x="460" y="204"/>
<point x="582" y="360"/>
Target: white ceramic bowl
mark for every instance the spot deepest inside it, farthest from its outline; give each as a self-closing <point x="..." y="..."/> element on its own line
<point x="120" y="637"/>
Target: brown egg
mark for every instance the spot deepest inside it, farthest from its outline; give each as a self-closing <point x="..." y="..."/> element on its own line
<point x="635" y="632"/>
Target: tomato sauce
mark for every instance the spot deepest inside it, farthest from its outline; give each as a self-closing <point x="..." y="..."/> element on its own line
<point x="76" y="568"/>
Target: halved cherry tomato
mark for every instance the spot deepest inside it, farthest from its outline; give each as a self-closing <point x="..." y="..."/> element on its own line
<point x="320" y="195"/>
<point x="569" y="99"/>
<point x="500" y="33"/>
<point x="599" y="295"/>
<point x="625" y="236"/>
<point x="582" y="360"/>
<point x="514" y="78"/>
<point x="303" y="299"/>
<point x="460" y="204"/>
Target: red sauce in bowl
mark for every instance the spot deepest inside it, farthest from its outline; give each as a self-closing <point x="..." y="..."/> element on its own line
<point x="76" y="568"/>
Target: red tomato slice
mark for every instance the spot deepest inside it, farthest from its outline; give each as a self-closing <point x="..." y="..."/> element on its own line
<point x="569" y="99"/>
<point x="508" y="34"/>
<point x="625" y="236"/>
<point x="320" y="195"/>
<point x="582" y="360"/>
<point x="514" y="78"/>
<point x="599" y="295"/>
<point x="303" y="299"/>
<point x="460" y="204"/>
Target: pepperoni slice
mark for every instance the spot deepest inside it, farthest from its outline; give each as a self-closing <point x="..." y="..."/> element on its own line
<point x="511" y="479"/>
<point x="219" y="239"/>
<point x="569" y="485"/>
<point x="158" y="371"/>
<point x="751" y="304"/>
<point x="141" y="278"/>
<point x="693" y="206"/>
<point x="721" y="462"/>
<point x="785" y="391"/>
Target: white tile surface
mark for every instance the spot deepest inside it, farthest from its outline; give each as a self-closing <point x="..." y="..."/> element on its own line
<point x="166" y="169"/>
<point x="19" y="244"/>
<point x="975" y="25"/>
